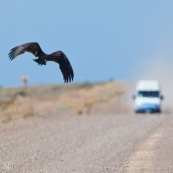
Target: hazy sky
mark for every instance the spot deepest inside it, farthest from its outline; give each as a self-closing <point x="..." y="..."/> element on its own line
<point x="103" y="40"/>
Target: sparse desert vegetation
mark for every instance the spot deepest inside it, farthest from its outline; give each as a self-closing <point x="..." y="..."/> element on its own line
<point x="77" y="99"/>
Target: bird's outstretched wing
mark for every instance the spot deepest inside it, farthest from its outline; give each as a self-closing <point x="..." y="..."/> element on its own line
<point x="64" y="65"/>
<point x="32" y="47"/>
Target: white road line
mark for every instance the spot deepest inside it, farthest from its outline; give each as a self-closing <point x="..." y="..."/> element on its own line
<point x="143" y="157"/>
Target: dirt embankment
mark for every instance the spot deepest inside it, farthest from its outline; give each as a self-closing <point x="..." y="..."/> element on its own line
<point x="100" y="98"/>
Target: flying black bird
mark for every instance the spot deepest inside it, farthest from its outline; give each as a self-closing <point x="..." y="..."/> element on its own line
<point x="35" y="49"/>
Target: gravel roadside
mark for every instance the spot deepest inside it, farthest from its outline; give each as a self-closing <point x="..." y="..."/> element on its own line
<point x="79" y="144"/>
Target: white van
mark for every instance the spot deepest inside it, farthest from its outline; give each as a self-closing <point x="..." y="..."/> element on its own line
<point x="148" y="97"/>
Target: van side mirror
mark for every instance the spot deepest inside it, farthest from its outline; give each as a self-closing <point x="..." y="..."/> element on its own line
<point x="161" y="97"/>
<point x="133" y="96"/>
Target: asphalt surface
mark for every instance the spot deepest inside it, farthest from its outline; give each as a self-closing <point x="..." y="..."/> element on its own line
<point x="88" y="144"/>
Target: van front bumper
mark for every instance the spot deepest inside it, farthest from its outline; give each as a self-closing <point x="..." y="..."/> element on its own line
<point x="148" y="108"/>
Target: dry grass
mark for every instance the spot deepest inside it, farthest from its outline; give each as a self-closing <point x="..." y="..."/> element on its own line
<point x="24" y="102"/>
<point x="85" y="99"/>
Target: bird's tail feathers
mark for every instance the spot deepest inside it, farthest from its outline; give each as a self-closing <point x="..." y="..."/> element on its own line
<point x="40" y="61"/>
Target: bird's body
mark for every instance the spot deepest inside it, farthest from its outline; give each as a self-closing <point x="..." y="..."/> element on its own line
<point x="58" y="57"/>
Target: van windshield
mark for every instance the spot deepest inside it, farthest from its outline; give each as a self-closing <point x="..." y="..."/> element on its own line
<point x="148" y="94"/>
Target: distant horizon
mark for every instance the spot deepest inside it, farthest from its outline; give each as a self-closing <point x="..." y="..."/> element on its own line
<point x="72" y="83"/>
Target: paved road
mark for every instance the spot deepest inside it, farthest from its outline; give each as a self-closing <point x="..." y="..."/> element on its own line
<point x="88" y="144"/>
